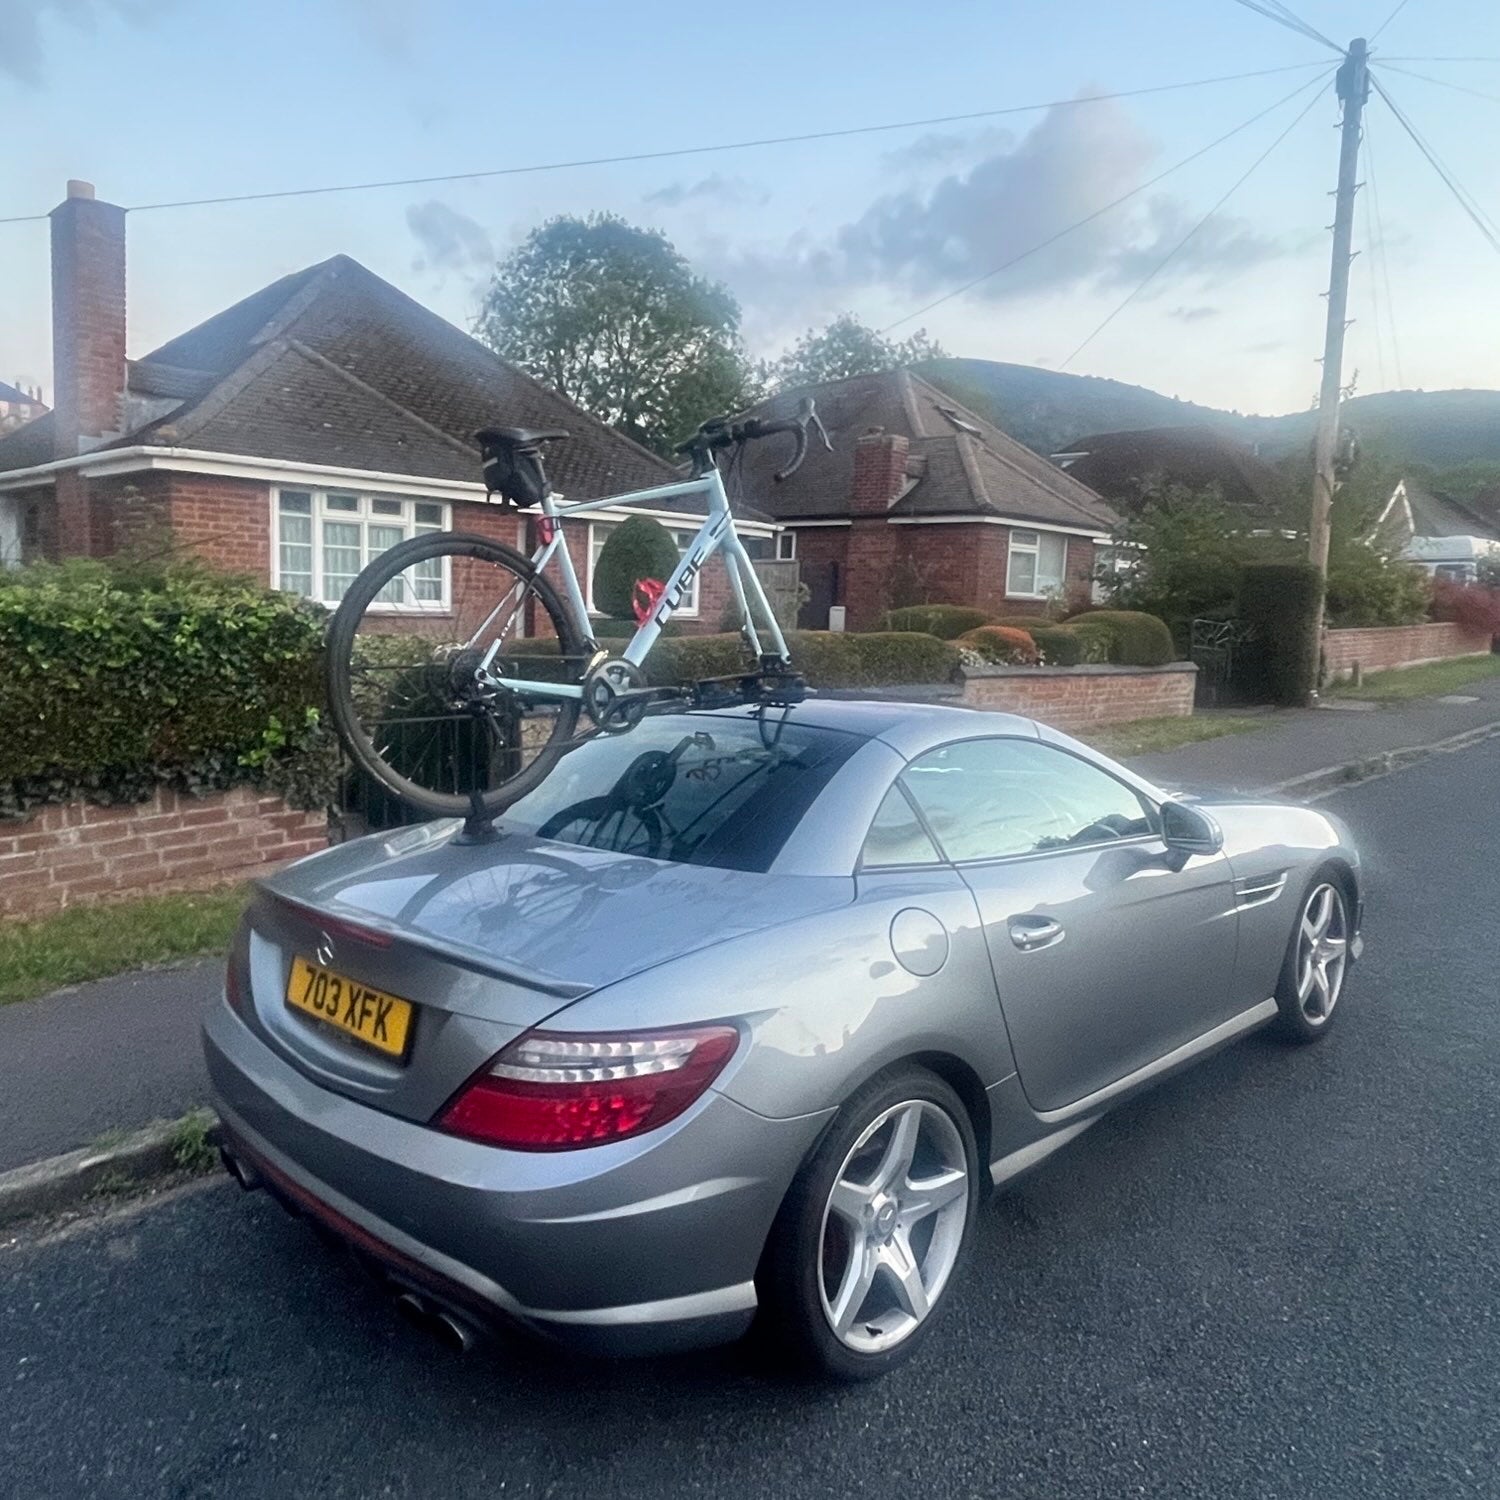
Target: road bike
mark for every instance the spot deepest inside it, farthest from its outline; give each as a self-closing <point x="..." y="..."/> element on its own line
<point x="458" y="671"/>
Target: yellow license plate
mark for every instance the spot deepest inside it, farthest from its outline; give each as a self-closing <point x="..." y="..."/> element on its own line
<point x="371" y="1016"/>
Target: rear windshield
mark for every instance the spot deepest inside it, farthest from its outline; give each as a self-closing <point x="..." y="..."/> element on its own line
<point x="695" y="790"/>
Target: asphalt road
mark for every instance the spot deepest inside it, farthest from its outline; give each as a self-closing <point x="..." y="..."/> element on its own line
<point x="1273" y="1277"/>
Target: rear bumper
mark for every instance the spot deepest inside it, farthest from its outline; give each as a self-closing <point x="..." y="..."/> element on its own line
<point x="637" y="1247"/>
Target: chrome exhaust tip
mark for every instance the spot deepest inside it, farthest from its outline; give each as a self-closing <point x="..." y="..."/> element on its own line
<point x="453" y="1333"/>
<point x="242" y="1172"/>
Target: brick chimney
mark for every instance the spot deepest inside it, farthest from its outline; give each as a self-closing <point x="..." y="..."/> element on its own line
<point x="88" y="320"/>
<point x="879" y="476"/>
<point x="879" y="472"/>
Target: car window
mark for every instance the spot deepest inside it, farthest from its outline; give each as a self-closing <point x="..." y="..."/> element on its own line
<point x="698" y="790"/>
<point x="897" y="837"/>
<point x="986" y="799"/>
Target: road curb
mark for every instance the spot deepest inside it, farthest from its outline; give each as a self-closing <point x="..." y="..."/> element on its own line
<point x="69" y="1181"/>
<point x="1331" y="778"/>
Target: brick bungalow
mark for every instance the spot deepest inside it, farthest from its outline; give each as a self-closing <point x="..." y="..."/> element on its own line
<point x="923" y="501"/>
<point x="293" y="435"/>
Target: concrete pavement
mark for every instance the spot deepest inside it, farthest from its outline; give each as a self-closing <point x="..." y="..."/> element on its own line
<point x="1272" y="1278"/>
<point x="101" y="1057"/>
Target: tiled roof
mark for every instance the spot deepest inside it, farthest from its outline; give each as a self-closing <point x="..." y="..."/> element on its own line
<point x="332" y="365"/>
<point x="961" y="464"/>
<point x="12" y="394"/>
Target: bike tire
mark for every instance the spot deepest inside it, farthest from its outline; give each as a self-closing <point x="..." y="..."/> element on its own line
<point x="447" y="549"/>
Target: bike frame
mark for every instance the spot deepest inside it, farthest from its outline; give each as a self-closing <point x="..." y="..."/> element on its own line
<point x="716" y="534"/>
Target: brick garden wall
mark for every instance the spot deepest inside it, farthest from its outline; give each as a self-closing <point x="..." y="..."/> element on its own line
<point x="1397" y="646"/>
<point x="1071" y="698"/>
<point x="77" y="854"/>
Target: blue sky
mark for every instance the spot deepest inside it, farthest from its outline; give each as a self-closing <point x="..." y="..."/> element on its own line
<point x="162" y="99"/>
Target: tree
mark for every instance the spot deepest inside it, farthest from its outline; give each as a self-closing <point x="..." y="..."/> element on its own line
<point x="614" y="318"/>
<point x="847" y="347"/>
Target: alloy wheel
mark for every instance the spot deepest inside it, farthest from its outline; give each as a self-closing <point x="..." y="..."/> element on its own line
<point x="893" y="1226"/>
<point x="1322" y="953"/>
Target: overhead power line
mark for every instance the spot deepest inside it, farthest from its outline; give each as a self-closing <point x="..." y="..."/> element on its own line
<point x="1274" y="10"/>
<point x="1187" y="239"/>
<point x="1442" y="83"/>
<point x="1099" y="213"/>
<point x="1482" y="221"/>
<point x="1400" y="6"/>
<point x="680" y="151"/>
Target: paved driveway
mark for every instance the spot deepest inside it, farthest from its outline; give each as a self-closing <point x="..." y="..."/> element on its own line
<point x="1275" y="1277"/>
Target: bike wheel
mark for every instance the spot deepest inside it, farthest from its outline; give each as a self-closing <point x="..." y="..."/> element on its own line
<point x="404" y="652"/>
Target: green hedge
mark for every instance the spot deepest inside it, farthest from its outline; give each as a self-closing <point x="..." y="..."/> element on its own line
<point x="1136" y="639"/>
<point x="114" y="681"/>
<point x="1073" y="645"/>
<point x="826" y="658"/>
<point x="1279" y="603"/>
<point x="946" y="621"/>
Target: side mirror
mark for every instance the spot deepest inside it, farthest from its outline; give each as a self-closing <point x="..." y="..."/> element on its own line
<point x="1188" y="830"/>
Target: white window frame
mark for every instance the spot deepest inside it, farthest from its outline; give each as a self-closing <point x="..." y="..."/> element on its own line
<point x="786" y="546"/>
<point x="682" y="535"/>
<point x="1028" y="543"/>
<point x="363" y="514"/>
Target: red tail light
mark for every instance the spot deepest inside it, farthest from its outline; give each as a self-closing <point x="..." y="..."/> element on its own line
<point x="548" y="1091"/>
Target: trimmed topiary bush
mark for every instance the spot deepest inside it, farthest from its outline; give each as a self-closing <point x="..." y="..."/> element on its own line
<point x="946" y="621"/>
<point x="1025" y="622"/>
<point x="1279" y="603"/>
<point x="1138" y="639"/>
<point x="1002" y="645"/>
<point x="635" y="550"/>
<point x="1068" y="646"/>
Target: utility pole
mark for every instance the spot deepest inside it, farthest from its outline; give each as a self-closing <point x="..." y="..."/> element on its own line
<point x="1353" y="89"/>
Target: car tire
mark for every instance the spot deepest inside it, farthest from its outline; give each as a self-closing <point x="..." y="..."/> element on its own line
<point x="1315" y="972"/>
<point x="873" y="1231"/>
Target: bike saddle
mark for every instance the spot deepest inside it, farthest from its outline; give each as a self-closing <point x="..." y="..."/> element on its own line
<point x="518" y="437"/>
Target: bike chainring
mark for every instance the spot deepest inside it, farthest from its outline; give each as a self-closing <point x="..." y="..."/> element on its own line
<point x="602" y="689"/>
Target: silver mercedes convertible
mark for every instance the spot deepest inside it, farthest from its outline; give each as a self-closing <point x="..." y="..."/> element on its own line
<point x="736" y="1017"/>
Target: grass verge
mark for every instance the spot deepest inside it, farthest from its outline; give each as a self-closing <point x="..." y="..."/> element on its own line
<point x="1430" y="681"/>
<point x="91" y="942"/>
<point x="1147" y="736"/>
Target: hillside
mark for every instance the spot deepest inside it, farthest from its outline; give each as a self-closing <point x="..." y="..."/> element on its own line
<point x="1048" y="410"/>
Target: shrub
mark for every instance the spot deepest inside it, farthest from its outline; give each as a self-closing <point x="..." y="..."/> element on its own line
<point x="946" y="621"/>
<point x="1099" y="643"/>
<point x="1279" y="602"/>
<point x="826" y="659"/>
<point x="1367" y="587"/>
<point x="1026" y="622"/>
<point x="607" y="629"/>
<point x="1137" y="639"/>
<point x="116" y="680"/>
<point x="1072" y="645"/>
<point x="1476" y="609"/>
<point x="635" y="550"/>
<point x="900" y="656"/>
<point x="1001" y="645"/>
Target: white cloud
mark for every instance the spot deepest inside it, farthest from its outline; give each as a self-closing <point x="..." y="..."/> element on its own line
<point x="22" y="51"/>
<point x="450" y="240"/>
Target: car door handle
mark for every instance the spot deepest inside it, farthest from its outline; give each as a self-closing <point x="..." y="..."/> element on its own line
<point x="1030" y="933"/>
